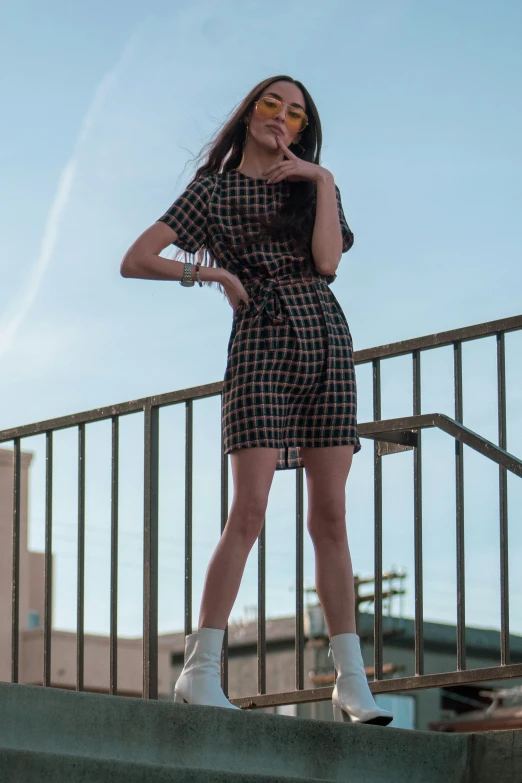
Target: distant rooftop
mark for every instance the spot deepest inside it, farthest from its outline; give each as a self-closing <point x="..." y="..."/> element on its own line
<point x="398" y="632"/>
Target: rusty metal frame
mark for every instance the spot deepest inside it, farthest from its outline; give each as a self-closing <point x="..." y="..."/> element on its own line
<point x="389" y="436"/>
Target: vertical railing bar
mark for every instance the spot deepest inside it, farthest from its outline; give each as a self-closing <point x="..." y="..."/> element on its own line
<point x="459" y="493"/>
<point x="80" y="589"/>
<point x="48" y="558"/>
<point x="299" y="587"/>
<point x="505" y="655"/>
<point x="261" y="610"/>
<point x="188" y="517"/>
<point x="417" y="489"/>
<point x="377" y="619"/>
<point x="113" y="643"/>
<point x="150" y="552"/>
<point x="224" y="518"/>
<point x="15" y="595"/>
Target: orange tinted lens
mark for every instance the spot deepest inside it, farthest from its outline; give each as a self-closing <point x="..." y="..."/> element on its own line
<point x="295" y="118"/>
<point x="268" y="107"/>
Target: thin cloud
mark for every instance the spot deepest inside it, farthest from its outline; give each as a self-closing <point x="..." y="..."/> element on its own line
<point x="21" y="307"/>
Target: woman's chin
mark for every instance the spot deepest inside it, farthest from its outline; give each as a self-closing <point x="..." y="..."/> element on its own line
<point x="268" y="142"/>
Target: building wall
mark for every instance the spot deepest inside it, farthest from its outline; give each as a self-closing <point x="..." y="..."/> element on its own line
<point x="96" y="663"/>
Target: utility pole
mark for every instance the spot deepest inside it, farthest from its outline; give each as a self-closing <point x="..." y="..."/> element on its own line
<point x="317" y="627"/>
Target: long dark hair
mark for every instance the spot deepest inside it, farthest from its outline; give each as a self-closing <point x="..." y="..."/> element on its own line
<point x="224" y="152"/>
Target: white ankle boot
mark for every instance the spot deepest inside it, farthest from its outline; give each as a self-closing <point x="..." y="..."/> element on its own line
<point x="200" y="680"/>
<point x="352" y="698"/>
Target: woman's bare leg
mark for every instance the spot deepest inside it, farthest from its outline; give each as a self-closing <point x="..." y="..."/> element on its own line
<point x="327" y="470"/>
<point x="253" y="473"/>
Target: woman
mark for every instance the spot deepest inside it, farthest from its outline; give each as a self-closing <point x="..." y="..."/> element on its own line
<point x="267" y="224"/>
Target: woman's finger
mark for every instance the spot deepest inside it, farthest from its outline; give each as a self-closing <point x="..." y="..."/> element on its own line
<point x="284" y="169"/>
<point x="277" y="165"/>
<point x="285" y="148"/>
<point x="281" y="165"/>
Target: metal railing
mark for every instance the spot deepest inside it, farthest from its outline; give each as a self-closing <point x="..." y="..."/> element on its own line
<point x="389" y="436"/>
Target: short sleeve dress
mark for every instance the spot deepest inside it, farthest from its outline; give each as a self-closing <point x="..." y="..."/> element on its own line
<point x="290" y="377"/>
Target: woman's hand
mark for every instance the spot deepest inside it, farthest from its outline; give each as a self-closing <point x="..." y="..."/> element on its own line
<point x="294" y="169"/>
<point x="234" y="289"/>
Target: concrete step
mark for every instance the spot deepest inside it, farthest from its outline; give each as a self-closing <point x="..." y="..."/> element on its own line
<point x="28" y="766"/>
<point x="121" y="729"/>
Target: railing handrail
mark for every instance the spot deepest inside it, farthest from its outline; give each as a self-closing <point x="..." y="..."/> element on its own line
<point x="379" y="430"/>
<point x="437" y="340"/>
<point x="396" y="685"/>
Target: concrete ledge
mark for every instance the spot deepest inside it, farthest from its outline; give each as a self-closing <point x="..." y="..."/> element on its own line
<point x="495" y="757"/>
<point x="32" y="767"/>
<point x="102" y="727"/>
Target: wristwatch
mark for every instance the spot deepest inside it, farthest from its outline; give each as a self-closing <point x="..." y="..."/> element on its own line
<point x="187" y="275"/>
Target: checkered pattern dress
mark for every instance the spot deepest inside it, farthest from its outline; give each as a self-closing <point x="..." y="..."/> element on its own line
<point x="290" y="377"/>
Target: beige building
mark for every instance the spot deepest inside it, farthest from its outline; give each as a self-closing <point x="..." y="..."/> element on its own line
<point x="417" y="709"/>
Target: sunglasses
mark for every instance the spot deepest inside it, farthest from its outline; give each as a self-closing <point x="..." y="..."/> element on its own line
<point x="269" y="107"/>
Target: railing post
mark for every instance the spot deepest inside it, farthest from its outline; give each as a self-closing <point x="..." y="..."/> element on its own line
<point x="80" y="591"/>
<point x="150" y="554"/>
<point x="48" y="558"/>
<point x="459" y="491"/>
<point x="113" y="642"/>
<point x="503" y="503"/>
<point x="15" y="595"/>
<point x="377" y="618"/>
<point x="261" y="611"/>
<point x="224" y="519"/>
<point x="299" y="592"/>
<point x="417" y="489"/>
<point x="188" y="516"/>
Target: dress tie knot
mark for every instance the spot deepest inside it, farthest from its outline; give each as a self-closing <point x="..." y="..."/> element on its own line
<point x="264" y="295"/>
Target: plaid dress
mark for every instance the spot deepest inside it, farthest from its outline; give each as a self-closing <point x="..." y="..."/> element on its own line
<point x="290" y="376"/>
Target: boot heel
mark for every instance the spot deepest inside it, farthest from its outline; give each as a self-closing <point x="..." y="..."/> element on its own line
<point x="179" y="699"/>
<point x="340" y="715"/>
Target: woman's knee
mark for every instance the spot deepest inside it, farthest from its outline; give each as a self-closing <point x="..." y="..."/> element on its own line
<point x="246" y="517"/>
<point x="327" y="523"/>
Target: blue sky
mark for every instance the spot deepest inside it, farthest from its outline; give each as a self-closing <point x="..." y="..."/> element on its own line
<point x="105" y="104"/>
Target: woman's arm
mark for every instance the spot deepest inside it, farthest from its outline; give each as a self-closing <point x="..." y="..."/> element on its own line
<point x="327" y="242"/>
<point x="142" y="259"/>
